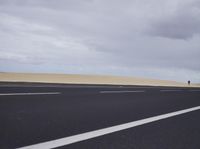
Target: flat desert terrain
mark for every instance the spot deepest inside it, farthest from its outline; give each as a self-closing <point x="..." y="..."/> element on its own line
<point x="86" y="79"/>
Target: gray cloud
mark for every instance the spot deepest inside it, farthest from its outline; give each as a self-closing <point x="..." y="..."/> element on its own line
<point x="130" y="37"/>
<point x="183" y="24"/>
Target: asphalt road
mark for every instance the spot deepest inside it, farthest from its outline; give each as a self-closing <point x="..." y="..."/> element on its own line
<point x="36" y="113"/>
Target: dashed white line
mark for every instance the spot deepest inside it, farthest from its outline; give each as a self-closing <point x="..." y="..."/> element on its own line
<point x="194" y="90"/>
<point x="170" y="90"/>
<point x="136" y="91"/>
<point x="19" y="94"/>
<point x="104" y="131"/>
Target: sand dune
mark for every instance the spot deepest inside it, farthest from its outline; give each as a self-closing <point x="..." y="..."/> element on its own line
<point x="86" y="79"/>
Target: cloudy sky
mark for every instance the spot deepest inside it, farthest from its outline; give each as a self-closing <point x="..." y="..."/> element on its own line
<point x="153" y="39"/>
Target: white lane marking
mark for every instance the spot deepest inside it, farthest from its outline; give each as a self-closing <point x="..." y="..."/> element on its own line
<point x="104" y="131"/>
<point x="137" y="91"/>
<point x="44" y="86"/>
<point x="19" y="94"/>
<point x="194" y="90"/>
<point x="170" y="90"/>
<point x="74" y="86"/>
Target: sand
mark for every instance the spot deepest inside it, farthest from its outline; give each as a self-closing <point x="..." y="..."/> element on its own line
<point x="86" y="79"/>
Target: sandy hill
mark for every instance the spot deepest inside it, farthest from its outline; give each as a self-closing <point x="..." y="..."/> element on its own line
<point x="85" y="79"/>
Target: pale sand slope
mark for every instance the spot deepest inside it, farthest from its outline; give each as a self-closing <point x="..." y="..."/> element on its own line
<point x="85" y="79"/>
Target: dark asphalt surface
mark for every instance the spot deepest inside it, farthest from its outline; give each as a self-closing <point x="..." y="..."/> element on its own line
<point x="31" y="119"/>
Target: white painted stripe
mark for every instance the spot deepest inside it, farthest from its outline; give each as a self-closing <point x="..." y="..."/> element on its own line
<point x="104" y="131"/>
<point x="44" y="86"/>
<point x="137" y="91"/>
<point x="74" y="86"/>
<point x="194" y="90"/>
<point x="19" y="94"/>
<point x="170" y="90"/>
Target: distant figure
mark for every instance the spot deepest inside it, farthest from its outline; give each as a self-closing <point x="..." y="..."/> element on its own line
<point x="188" y="82"/>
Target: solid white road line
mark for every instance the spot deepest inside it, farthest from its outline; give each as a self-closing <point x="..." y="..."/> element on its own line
<point x="68" y="86"/>
<point x="170" y="90"/>
<point x="104" y="131"/>
<point x="137" y="91"/>
<point x="44" y="86"/>
<point x="19" y="94"/>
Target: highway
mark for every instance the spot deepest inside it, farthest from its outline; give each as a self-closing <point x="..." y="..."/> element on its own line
<point x="98" y="117"/>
